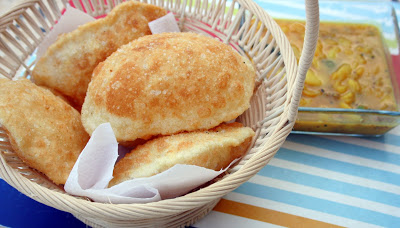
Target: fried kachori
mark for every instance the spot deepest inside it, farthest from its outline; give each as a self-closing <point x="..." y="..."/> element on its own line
<point x="213" y="149"/>
<point x="44" y="131"/>
<point x="68" y="64"/>
<point x="168" y="83"/>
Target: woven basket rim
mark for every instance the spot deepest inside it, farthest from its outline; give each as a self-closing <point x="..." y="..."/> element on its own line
<point x="199" y="197"/>
<point x="246" y="3"/>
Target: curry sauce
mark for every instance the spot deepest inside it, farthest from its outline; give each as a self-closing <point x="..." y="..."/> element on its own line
<point x="349" y="69"/>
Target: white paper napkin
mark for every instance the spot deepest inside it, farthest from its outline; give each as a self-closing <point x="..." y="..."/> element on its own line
<point x="94" y="168"/>
<point x="68" y="22"/>
<point x="73" y="18"/>
<point x="166" y="23"/>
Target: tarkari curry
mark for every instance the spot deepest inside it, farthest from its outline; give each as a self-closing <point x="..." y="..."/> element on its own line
<point x="349" y="70"/>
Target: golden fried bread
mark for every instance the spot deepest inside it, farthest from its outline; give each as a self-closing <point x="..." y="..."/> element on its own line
<point x="168" y="83"/>
<point x="45" y="132"/>
<point x="213" y="149"/>
<point x="68" y="64"/>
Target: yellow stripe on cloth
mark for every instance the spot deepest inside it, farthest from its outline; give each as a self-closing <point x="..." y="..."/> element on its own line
<point x="267" y="215"/>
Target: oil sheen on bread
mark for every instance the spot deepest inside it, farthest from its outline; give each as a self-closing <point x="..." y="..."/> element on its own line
<point x="68" y="64"/>
<point x="44" y="131"/>
<point x="168" y="83"/>
<point x="213" y="149"/>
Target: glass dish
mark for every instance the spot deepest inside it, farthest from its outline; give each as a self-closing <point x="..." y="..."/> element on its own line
<point x="343" y="121"/>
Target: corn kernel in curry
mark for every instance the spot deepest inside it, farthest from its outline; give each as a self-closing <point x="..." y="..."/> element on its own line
<point x="349" y="69"/>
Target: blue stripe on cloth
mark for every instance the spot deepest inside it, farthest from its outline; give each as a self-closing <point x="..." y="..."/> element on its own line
<point x="338" y="166"/>
<point x="276" y="7"/>
<point x="317" y="204"/>
<point x="331" y="10"/>
<point x="347" y="148"/>
<point x="386" y="139"/>
<point x="331" y="185"/>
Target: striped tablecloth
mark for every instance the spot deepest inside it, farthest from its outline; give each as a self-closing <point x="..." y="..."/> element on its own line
<point x="324" y="181"/>
<point x="320" y="181"/>
<point x="313" y="181"/>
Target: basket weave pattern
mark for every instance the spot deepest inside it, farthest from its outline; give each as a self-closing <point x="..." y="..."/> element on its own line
<point x="241" y="24"/>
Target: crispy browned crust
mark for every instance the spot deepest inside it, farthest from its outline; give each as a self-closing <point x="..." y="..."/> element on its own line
<point x="68" y="64"/>
<point x="168" y="83"/>
<point x="44" y="131"/>
<point x="213" y="149"/>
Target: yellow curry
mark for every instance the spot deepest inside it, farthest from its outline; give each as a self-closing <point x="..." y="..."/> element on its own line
<point x="349" y="70"/>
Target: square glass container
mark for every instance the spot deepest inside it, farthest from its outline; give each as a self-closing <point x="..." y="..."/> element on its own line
<point x="360" y="121"/>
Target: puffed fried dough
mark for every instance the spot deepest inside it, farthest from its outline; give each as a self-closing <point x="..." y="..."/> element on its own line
<point x="44" y="131"/>
<point x="68" y="64"/>
<point x="168" y="83"/>
<point x="213" y="149"/>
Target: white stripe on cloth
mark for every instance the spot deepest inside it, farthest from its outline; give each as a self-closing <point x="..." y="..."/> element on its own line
<point x="335" y="176"/>
<point x="342" y="157"/>
<point x="326" y="195"/>
<point x="298" y="211"/>
<point x="217" y="219"/>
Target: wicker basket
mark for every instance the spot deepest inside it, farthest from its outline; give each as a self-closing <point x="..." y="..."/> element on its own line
<point x="240" y="23"/>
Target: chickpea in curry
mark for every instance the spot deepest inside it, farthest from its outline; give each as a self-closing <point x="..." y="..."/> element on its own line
<point x="349" y="69"/>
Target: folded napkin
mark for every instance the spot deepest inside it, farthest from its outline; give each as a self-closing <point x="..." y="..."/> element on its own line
<point x="73" y="18"/>
<point x="166" y="23"/>
<point x="94" y="168"/>
<point x="69" y="21"/>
